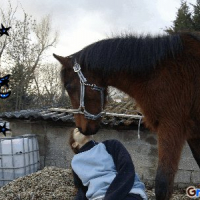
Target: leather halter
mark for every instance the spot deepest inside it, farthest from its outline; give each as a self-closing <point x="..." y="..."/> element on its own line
<point x="83" y="83"/>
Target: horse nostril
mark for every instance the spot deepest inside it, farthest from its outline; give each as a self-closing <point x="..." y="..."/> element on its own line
<point x="91" y="130"/>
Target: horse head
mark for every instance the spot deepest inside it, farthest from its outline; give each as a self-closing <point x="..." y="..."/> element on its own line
<point x="87" y="92"/>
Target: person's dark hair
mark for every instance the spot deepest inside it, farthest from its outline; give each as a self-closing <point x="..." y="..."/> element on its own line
<point x="71" y="141"/>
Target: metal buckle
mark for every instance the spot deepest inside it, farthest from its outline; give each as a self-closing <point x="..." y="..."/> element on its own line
<point x="76" y="67"/>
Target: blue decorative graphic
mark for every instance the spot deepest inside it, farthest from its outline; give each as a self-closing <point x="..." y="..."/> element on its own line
<point x="4" y="81"/>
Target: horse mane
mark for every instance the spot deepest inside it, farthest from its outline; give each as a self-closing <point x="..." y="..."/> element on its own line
<point x="134" y="54"/>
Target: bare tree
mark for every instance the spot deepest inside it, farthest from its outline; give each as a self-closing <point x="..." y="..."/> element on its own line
<point x="48" y="87"/>
<point x="47" y="82"/>
<point x="28" y="43"/>
<point x="7" y="19"/>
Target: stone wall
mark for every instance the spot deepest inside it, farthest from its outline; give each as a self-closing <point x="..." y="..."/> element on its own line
<point x="54" y="149"/>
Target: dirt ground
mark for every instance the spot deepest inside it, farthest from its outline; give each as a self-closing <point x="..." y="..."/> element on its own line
<point x="54" y="183"/>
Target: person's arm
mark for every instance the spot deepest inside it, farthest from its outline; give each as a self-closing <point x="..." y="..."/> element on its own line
<point x="81" y="193"/>
<point x="124" y="180"/>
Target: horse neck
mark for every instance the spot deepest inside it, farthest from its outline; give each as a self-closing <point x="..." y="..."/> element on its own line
<point x="130" y="84"/>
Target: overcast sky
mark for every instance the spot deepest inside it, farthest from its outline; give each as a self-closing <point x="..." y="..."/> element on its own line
<point x="81" y="22"/>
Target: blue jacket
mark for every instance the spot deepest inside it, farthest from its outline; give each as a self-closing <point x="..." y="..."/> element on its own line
<point x="105" y="170"/>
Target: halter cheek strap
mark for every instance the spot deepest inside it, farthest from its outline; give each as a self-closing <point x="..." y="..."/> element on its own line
<point x="83" y="83"/>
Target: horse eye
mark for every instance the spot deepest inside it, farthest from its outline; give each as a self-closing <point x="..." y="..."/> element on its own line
<point x="67" y="86"/>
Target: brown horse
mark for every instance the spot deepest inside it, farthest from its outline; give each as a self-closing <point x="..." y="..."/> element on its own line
<point x="161" y="73"/>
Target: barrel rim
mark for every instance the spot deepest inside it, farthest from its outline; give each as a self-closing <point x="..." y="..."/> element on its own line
<point x="20" y="136"/>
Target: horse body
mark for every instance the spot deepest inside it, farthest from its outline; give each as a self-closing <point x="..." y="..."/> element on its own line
<point x="170" y="102"/>
<point x="168" y="93"/>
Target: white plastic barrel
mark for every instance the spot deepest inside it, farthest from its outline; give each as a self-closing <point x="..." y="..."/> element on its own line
<point x="19" y="156"/>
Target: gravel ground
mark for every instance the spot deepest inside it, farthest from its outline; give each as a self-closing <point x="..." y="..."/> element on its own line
<point x="53" y="183"/>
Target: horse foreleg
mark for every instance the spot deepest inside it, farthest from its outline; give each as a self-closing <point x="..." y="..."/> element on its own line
<point x="194" y="145"/>
<point x="170" y="145"/>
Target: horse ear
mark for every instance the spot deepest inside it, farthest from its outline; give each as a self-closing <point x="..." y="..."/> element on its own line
<point x="61" y="59"/>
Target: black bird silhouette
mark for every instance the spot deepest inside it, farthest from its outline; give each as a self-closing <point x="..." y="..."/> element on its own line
<point x="4" y="31"/>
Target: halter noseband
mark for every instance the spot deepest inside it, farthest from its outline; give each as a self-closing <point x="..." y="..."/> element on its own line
<point x="83" y="83"/>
